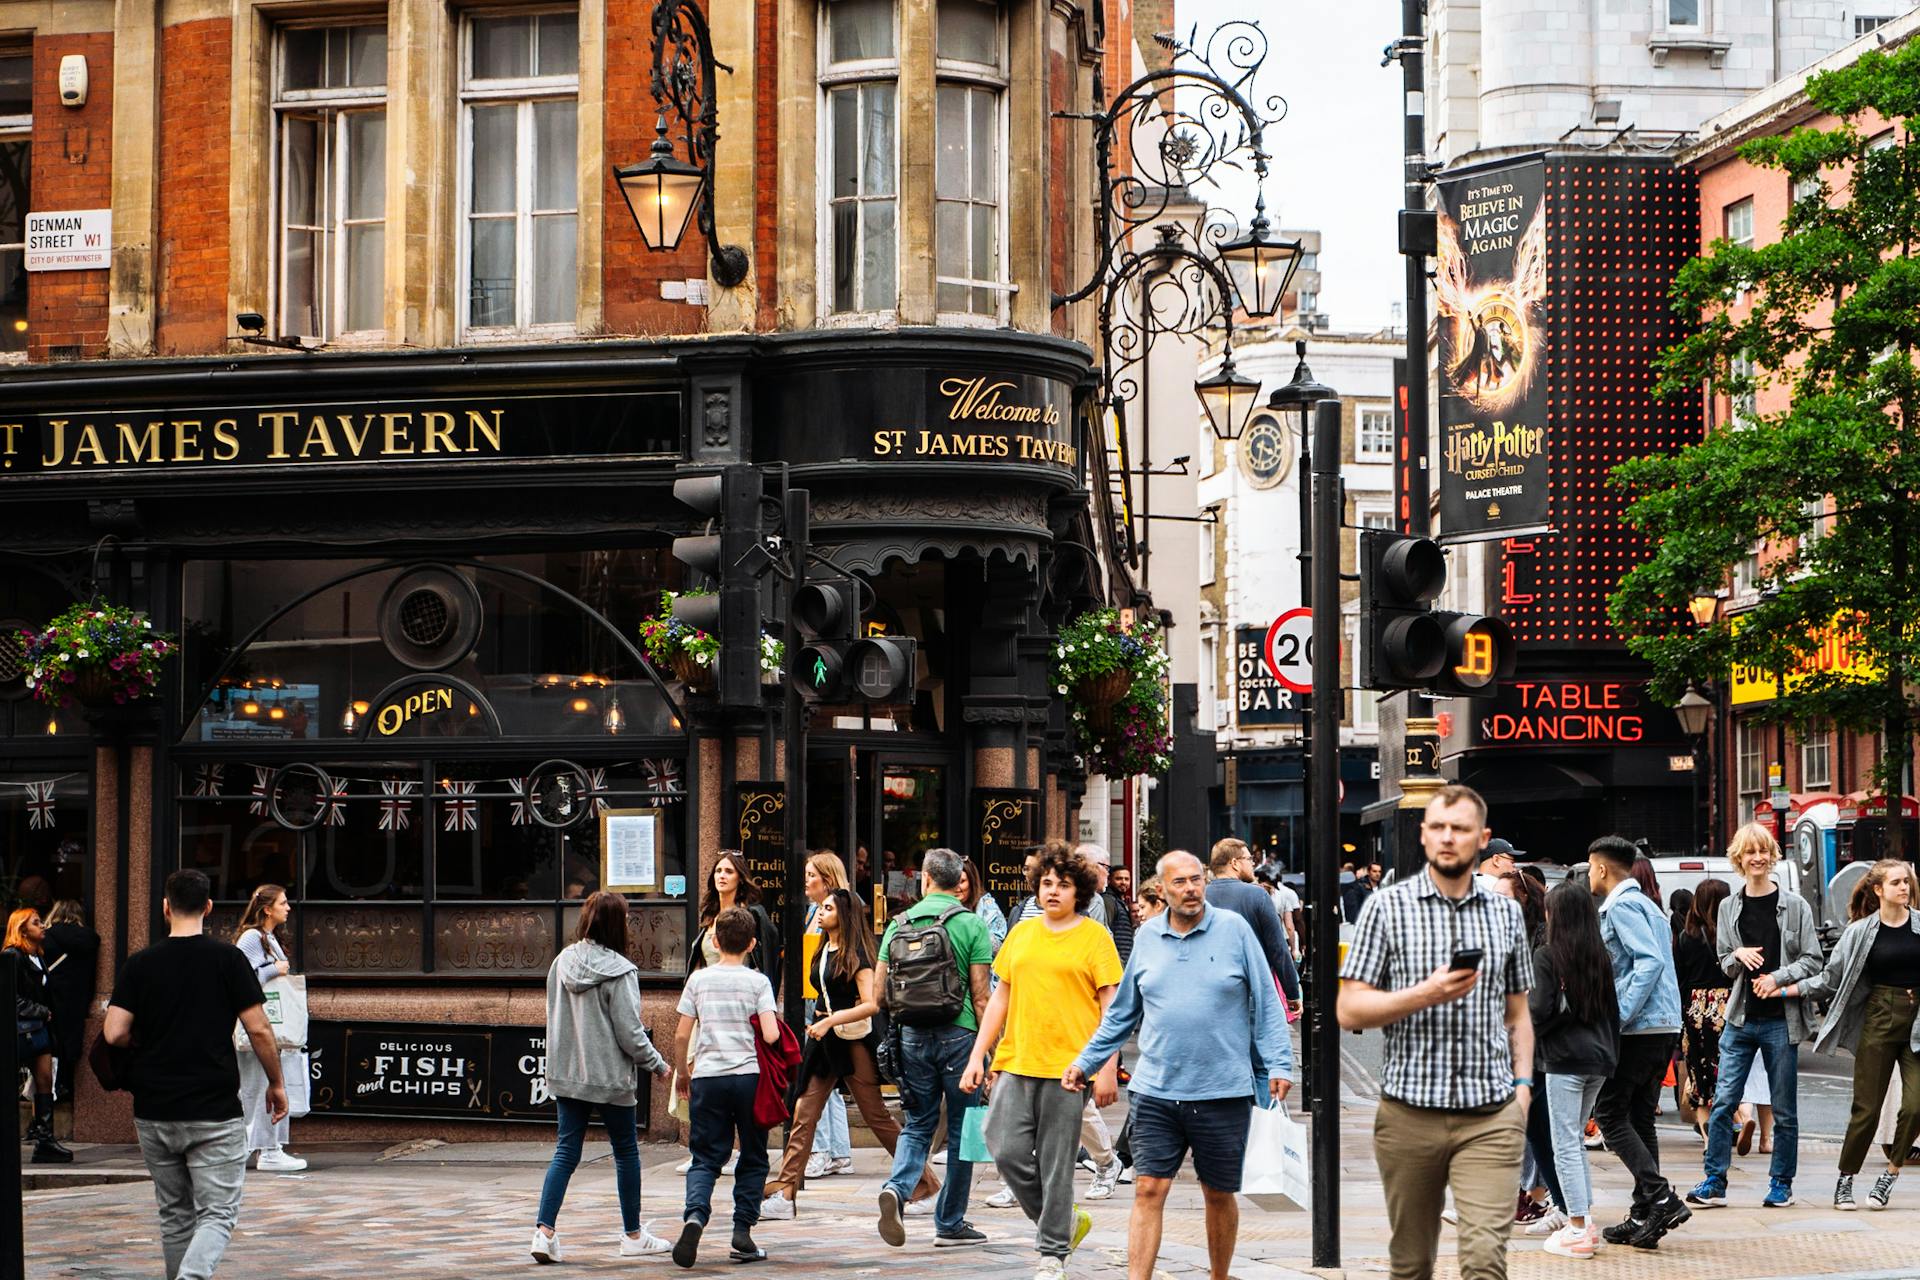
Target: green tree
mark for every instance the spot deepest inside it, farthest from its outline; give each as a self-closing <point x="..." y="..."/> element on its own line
<point x="1833" y="317"/>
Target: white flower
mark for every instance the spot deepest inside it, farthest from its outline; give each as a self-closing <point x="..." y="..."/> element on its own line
<point x="1060" y="689"/>
<point x="83" y="653"/>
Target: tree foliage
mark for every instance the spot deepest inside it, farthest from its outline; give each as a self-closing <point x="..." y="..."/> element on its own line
<point x="1831" y="313"/>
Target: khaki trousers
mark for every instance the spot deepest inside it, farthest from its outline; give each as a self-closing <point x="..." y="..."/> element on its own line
<point x="864" y="1083"/>
<point x="1420" y="1154"/>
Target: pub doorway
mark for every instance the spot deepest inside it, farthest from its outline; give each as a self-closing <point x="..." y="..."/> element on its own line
<point x="880" y="810"/>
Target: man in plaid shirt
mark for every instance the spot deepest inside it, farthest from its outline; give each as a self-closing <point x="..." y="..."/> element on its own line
<point x="1457" y="1076"/>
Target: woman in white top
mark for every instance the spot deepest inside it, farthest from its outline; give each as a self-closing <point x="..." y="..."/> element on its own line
<point x="266" y="911"/>
<point x="833" y="1142"/>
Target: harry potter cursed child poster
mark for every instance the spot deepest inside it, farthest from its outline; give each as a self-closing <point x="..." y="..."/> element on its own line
<point x="1492" y="285"/>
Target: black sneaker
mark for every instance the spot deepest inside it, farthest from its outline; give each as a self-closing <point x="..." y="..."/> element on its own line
<point x="49" y="1151"/>
<point x="1623" y="1232"/>
<point x="1843" y="1194"/>
<point x="1878" y="1197"/>
<point x="961" y="1237"/>
<point x="743" y="1248"/>
<point x="892" y="1229"/>
<point x="1666" y="1213"/>
<point x="686" y="1250"/>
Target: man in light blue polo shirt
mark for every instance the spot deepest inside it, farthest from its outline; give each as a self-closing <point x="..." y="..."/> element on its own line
<point x="1212" y="1039"/>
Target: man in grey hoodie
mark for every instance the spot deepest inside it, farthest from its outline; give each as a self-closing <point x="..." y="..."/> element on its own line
<point x="596" y="1048"/>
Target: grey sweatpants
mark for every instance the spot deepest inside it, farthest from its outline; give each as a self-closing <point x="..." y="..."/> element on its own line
<point x="1033" y="1134"/>
<point x="199" y="1168"/>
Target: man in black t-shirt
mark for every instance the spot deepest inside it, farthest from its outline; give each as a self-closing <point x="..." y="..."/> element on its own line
<point x="175" y="1003"/>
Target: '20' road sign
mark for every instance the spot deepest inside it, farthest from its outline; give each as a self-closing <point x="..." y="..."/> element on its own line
<point x="1289" y="649"/>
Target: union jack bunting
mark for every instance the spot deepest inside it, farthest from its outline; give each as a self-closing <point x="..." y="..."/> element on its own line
<point x="664" y="775"/>
<point x="396" y="808"/>
<point x="40" y="806"/>
<point x="463" y="812"/>
<point x="597" y="788"/>
<point x="259" y="799"/>
<point x="522" y="811"/>
<point x="333" y="809"/>
<point x="207" y="779"/>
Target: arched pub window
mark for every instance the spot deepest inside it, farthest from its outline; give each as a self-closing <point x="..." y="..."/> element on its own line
<point x="428" y="754"/>
<point x="45" y="782"/>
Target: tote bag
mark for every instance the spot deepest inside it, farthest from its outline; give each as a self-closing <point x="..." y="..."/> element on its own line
<point x="1275" y="1175"/>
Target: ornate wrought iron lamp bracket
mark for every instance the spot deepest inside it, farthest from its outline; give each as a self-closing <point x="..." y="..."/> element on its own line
<point x="683" y="85"/>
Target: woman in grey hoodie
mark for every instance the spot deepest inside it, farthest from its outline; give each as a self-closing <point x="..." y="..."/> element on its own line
<point x="596" y="1048"/>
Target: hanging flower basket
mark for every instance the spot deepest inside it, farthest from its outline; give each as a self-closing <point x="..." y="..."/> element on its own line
<point x="691" y="653"/>
<point x="690" y="671"/>
<point x="1114" y="678"/>
<point x="94" y="656"/>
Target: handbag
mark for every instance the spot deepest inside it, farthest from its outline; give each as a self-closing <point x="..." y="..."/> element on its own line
<point x="856" y="1030"/>
<point x="973" y="1136"/>
<point x="1275" y="1175"/>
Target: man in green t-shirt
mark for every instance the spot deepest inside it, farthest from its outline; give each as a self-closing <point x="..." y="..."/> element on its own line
<point x="932" y="1060"/>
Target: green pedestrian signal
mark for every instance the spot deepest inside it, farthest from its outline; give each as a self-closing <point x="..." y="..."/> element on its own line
<point x="819" y="671"/>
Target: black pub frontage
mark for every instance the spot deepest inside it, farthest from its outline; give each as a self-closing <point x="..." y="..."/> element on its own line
<point x="408" y="588"/>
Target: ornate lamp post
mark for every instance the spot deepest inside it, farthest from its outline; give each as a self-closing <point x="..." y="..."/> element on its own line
<point x="665" y="192"/>
<point x="1695" y="714"/>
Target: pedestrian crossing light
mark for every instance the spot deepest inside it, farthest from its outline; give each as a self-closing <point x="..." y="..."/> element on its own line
<point x="825" y="610"/>
<point x="1480" y="654"/>
<point x="1402" y="644"/>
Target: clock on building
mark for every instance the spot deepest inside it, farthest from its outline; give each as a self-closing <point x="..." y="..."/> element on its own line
<point x="1266" y="452"/>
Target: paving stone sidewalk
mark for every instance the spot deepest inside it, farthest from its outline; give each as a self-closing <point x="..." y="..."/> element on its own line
<point x="466" y="1210"/>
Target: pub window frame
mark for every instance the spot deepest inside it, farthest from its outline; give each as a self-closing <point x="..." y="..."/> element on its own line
<point x="856" y="76"/>
<point x="976" y="78"/>
<point x="527" y="92"/>
<point x="18" y="129"/>
<point x="332" y="110"/>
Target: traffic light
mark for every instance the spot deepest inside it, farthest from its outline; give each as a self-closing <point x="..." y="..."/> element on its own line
<point x="1480" y="653"/>
<point x="825" y="610"/>
<point x="730" y="501"/>
<point x="880" y="668"/>
<point x="1402" y="644"/>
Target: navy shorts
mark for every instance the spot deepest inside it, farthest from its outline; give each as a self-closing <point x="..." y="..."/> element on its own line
<point x="1214" y="1130"/>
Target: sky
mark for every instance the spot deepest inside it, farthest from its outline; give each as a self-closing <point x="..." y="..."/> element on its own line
<point x="1336" y="156"/>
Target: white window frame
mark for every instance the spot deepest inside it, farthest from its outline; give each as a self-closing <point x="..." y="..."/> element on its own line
<point x="1863" y="23"/>
<point x="1816" y="759"/>
<point x="1743" y="406"/>
<point x="1799" y="189"/>
<point x="1361" y="453"/>
<point x="19" y="128"/>
<point x="1750" y="761"/>
<point x="1700" y="16"/>
<point x="838" y="75"/>
<point x="1746" y="575"/>
<point x="1209" y="682"/>
<point x="1209" y="567"/>
<point x="331" y="106"/>
<point x="524" y="91"/>
<point x="1372" y="515"/>
<point x="975" y="75"/>
<point x="1815" y="509"/>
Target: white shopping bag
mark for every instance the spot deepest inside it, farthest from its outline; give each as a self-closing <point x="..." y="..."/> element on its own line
<point x="286" y="1008"/>
<point x="1275" y="1176"/>
<point x="296" y="1072"/>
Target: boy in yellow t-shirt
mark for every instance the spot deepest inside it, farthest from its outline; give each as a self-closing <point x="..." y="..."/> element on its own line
<point x="1058" y="972"/>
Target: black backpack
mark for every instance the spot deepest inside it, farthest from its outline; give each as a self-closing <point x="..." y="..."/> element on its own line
<point x="924" y="984"/>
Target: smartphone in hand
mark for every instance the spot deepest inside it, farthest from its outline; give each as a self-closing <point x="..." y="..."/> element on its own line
<point x="1465" y="959"/>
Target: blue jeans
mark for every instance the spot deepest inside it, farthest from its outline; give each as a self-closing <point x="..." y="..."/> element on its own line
<point x="1570" y="1101"/>
<point x="574" y="1115"/>
<point x="933" y="1060"/>
<point x="721" y="1110"/>
<point x="1766" y="1039"/>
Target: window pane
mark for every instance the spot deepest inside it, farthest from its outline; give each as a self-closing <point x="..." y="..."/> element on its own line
<point x="495" y="153"/>
<point x="986" y="144"/>
<point x="950" y="166"/>
<point x="1683" y="13"/>
<point x="303" y="141"/>
<point x="950" y="239"/>
<point x="303" y="58"/>
<point x="877" y="255"/>
<point x="360" y="939"/>
<point x="986" y="237"/>
<point x="366" y="276"/>
<point x="16" y="171"/>
<point x="877" y="147"/>
<point x="502" y="48"/>
<point x="845" y="106"/>
<point x="969" y="31"/>
<point x="13" y="300"/>
<point x="556" y="161"/>
<point x="492" y="278"/>
<point x="298" y="316"/>
<point x="486" y="940"/>
<point x="860" y="29"/>
<point x="367" y="164"/>
<point x="553" y="282"/>
<point x="952" y="297"/>
<point x="559" y="44"/>
<point x="366" y="55"/>
<point x="16" y="86"/>
<point x="845" y="246"/>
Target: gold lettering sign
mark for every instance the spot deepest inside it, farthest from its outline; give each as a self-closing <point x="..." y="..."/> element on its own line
<point x="395" y="715"/>
<point x="971" y="403"/>
<point x="89" y="443"/>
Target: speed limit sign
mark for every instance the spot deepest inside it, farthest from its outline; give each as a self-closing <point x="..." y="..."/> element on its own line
<point x="1289" y="649"/>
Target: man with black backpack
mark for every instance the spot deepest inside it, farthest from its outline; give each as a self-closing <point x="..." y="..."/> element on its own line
<point x="932" y="975"/>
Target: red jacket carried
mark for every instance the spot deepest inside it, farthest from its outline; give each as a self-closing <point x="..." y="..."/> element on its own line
<point x="778" y="1062"/>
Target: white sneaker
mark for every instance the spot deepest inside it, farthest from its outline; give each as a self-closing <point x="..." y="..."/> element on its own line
<point x="648" y="1245"/>
<point x="776" y="1208"/>
<point x="817" y="1165"/>
<point x="1570" y="1242"/>
<point x="1103" y="1181"/>
<point x="1547" y="1223"/>
<point x="1002" y="1199"/>
<point x="938" y="1157"/>
<point x="1051" y="1269"/>
<point x="920" y="1208"/>
<point x="726" y="1170"/>
<point x="275" y="1160"/>
<point x="839" y="1164"/>
<point x="545" y="1248"/>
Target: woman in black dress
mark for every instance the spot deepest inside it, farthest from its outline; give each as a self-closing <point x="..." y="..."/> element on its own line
<point x="1704" y="988"/>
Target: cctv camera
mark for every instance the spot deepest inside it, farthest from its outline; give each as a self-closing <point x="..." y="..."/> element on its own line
<point x="251" y="321"/>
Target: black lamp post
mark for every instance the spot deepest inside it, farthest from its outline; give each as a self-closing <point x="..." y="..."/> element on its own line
<point x="1695" y="714"/>
<point x="664" y="192"/>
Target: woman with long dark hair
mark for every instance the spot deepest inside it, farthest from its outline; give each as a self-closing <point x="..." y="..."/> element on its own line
<point x="730" y="884"/>
<point x="267" y="910"/>
<point x="1873" y="977"/>
<point x="1704" y="988"/>
<point x="840" y="1049"/>
<point x="596" y="1049"/>
<point x="1576" y="1031"/>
